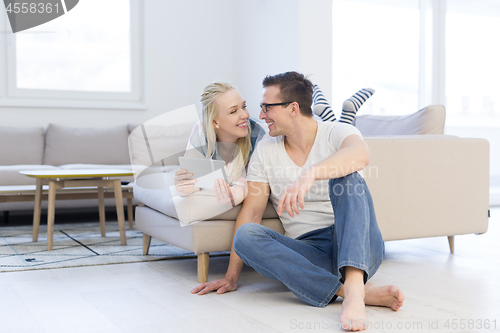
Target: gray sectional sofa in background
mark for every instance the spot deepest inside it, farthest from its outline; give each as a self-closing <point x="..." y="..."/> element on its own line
<point x="60" y="147"/>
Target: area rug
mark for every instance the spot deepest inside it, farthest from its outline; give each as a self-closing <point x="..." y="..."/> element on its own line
<point x="77" y="244"/>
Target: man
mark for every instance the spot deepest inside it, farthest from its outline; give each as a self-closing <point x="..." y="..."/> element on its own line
<point x="332" y="244"/>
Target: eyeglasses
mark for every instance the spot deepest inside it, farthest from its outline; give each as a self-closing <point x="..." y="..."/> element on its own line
<point x="264" y="106"/>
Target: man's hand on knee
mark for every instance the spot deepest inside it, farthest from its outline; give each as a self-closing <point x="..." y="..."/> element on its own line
<point x="222" y="286"/>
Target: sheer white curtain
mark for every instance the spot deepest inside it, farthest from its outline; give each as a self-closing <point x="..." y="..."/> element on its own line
<point x="376" y="44"/>
<point x="472" y="63"/>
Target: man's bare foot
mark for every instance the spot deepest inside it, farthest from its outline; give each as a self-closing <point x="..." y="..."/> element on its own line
<point x="389" y="296"/>
<point x="353" y="316"/>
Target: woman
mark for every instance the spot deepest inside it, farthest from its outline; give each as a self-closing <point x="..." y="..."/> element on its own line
<point x="227" y="133"/>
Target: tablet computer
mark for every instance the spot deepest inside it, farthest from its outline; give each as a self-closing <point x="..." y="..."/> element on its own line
<point x="204" y="170"/>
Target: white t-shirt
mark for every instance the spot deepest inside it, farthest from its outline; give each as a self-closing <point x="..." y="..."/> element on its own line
<point x="270" y="163"/>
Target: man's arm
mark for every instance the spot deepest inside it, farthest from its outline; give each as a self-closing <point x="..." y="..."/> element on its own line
<point x="252" y="211"/>
<point x="353" y="155"/>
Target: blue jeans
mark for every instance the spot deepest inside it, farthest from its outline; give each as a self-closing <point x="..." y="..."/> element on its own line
<point x="312" y="265"/>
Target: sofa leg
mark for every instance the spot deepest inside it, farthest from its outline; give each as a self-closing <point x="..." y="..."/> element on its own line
<point x="146" y="242"/>
<point x="203" y="267"/>
<point x="451" y="242"/>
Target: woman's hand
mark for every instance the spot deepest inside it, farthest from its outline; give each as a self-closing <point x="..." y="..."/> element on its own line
<point x="183" y="185"/>
<point x="224" y="193"/>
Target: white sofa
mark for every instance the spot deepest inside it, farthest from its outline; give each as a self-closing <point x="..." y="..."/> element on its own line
<point x="422" y="186"/>
<point x="60" y="147"/>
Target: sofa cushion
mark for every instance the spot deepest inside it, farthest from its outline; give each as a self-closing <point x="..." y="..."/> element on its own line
<point x="154" y="191"/>
<point x="69" y="145"/>
<point x="21" y="145"/>
<point x="429" y="120"/>
<point x="9" y="174"/>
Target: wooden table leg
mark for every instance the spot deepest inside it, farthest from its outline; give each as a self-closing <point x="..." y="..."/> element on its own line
<point x="51" y="214"/>
<point x="130" y="213"/>
<point x="102" y="215"/>
<point x="38" y="208"/>
<point x="117" y="186"/>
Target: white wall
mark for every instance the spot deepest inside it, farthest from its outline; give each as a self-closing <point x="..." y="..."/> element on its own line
<point x="189" y="43"/>
<point x="316" y="39"/>
<point x="276" y="36"/>
<point x="267" y="39"/>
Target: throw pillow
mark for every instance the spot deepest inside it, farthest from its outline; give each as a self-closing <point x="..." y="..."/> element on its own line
<point x="69" y="145"/>
<point x="429" y="120"/>
<point x="21" y="145"/>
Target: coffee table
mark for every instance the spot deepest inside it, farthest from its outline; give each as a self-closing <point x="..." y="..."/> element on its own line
<point x="81" y="178"/>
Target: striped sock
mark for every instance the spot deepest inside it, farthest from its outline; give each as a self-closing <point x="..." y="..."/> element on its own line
<point x="321" y="107"/>
<point x="352" y="105"/>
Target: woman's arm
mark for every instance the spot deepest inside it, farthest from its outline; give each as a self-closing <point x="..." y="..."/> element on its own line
<point x="241" y="189"/>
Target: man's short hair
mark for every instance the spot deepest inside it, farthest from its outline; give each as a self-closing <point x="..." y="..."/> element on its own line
<point x="294" y="87"/>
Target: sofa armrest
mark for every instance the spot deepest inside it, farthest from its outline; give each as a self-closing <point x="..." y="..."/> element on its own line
<point x="425" y="186"/>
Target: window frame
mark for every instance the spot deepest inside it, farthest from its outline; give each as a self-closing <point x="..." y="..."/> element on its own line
<point x="12" y="96"/>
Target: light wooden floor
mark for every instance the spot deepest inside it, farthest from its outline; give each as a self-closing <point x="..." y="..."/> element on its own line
<point x="462" y="289"/>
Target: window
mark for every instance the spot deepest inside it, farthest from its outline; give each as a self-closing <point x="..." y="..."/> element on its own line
<point x="419" y="52"/>
<point x="376" y="44"/>
<point x="472" y="66"/>
<point x="88" y="57"/>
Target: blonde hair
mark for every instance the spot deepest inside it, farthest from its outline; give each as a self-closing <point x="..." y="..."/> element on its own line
<point x="210" y="112"/>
